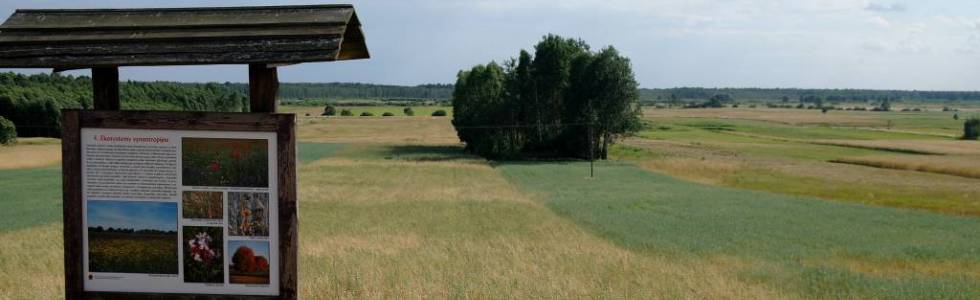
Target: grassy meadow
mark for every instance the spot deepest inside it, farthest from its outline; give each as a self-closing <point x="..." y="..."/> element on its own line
<point x="729" y="203"/>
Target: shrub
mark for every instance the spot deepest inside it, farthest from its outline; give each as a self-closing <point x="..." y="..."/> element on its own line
<point x="8" y="132"/>
<point x="971" y="128"/>
<point x="346" y="113"/>
<point x="329" y="110"/>
<point x="439" y="113"/>
<point x="387" y="114"/>
<point x="408" y="111"/>
<point x="367" y="114"/>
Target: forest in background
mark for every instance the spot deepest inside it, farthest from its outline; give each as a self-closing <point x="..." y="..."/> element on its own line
<point x="33" y="102"/>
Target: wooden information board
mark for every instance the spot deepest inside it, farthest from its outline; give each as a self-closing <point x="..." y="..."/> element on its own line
<point x="179" y="205"/>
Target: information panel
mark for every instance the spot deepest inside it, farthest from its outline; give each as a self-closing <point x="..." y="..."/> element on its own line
<point x="179" y="205"/>
<point x="169" y="211"/>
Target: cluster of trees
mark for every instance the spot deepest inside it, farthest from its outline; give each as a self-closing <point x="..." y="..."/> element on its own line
<point x="971" y="129"/>
<point x="564" y="101"/>
<point x="34" y="102"/>
<point x="100" y="229"/>
<point x="337" y="90"/>
<point x="696" y="94"/>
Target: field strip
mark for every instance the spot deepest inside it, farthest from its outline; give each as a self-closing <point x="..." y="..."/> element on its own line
<point x="29" y="156"/>
<point x="968" y="172"/>
<point x="836" y="143"/>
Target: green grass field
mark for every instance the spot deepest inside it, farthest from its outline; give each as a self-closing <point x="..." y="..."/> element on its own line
<point x="708" y="205"/>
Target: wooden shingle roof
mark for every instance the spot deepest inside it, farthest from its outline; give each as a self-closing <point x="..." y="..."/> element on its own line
<point x="86" y="38"/>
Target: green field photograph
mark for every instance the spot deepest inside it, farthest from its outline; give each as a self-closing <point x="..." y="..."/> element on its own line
<point x="132" y="237"/>
<point x="250" y="262"/>
<point x="225" y="162"/>
<point x="248" y="214"/>
<point x="202" y="205"/>
<point x="203" y="254"/>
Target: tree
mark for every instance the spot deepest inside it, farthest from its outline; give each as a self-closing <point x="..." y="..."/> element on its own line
<point x="367" y="114"/>
<point x="956" y="116"/>
<point x="346" y="113"/>
<point x="439" y="113"/>
<point x="408" y="111"/>
<point x="564" y="102"/>
<point x="8" y="132"/>
<point x="329" y="110"/>
<point x="971" y="128"/>
<point x="387" y="114"/>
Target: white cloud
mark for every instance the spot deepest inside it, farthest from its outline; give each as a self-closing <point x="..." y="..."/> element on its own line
<point x="880" y="21"/>
<point x="877" y="7"/>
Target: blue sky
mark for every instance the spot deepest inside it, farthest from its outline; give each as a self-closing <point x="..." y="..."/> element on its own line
<point x="880" y="44"/>
<point x="132" y="214"/>
<point x="260" y="248"/>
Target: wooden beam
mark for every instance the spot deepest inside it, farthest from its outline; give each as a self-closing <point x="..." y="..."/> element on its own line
<point x="263" y="85"/>
<point x="105" y="88"/>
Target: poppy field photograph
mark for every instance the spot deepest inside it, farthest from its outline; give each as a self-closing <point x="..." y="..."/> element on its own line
<point x="132" y="237"/>
<point x="250" y="262"/>
<point x="201" y="205"/>
<point x="203" y="260"/>
<point x="225" y="162"/>
<point x="248" y="214"/>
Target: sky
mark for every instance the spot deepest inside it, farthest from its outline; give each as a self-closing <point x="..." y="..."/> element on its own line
<point x="132" y="214"/>
<point x="876" y="44"/>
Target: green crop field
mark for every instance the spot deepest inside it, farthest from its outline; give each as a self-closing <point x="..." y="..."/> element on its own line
<point x="729" y="203"/>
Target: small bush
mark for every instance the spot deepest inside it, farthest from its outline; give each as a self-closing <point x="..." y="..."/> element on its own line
<point x="408" y="111"/>
<point x="346" y="113"/>
<point x="971" y="128"/>
<point x="8" y="132"/>
<point x="387" y="114"/>
<point x="367" y="114"/>
<point x="439" y="113"/>
<point x="329" y="110"/>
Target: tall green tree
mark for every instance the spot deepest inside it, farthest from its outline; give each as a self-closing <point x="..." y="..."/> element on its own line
<point x="566" y="101"/>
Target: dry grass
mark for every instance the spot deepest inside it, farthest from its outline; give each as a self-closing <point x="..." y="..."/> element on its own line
<point x="415" y="130"/>
<point x="31" y="265"/>
<point x="895" y="268"/>
<point x="951" y="147"/>
<point x="784" y="116"/>
<point x="29" y="155"/>
<point x="956" y="165"/>
<point x="736" y="165"/>
<point x="377" y="228"/>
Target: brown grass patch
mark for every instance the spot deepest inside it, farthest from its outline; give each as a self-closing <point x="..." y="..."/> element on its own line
<point x="405" y="131"/>
<point x="950" y="147"/>
<point x="29" y="155"/>
<point x="784" y="116"/>
<point x="963" y="166"/>
<point x="900" y="268"/>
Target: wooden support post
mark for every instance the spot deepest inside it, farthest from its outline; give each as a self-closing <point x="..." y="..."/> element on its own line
<point x="263" y="85"/>
<point x="105" y="88"/>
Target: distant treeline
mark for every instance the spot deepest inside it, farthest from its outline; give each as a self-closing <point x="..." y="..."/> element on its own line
<point x="34" y="102"/>
<point x="336" y="90"/>
<point x="689" y="94"/>
<point x="100" y="229"/>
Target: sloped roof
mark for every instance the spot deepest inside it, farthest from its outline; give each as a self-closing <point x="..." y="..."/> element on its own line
<point x="85" y="38"/>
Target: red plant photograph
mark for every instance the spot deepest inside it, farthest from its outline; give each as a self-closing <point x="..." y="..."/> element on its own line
<point x="225" y="162"/>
